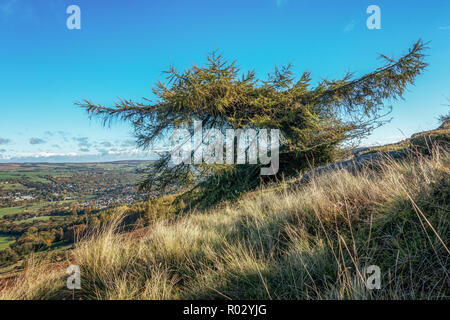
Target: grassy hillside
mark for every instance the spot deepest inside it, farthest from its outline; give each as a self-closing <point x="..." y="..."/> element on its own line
<point x="309" y="241"/>
<point x="420" y="141"/>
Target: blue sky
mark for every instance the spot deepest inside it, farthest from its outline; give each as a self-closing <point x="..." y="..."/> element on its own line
<point x="123" y="46"/>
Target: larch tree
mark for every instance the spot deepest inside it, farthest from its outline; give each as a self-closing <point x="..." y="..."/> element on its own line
<point x="315" y="121"/>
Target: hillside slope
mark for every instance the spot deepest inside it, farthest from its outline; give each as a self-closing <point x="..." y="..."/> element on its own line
<point x="309" y="243"/>
<point x="299" y="241"/>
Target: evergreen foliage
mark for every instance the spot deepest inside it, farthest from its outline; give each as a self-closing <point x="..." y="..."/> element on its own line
<point x="314" y="121"/>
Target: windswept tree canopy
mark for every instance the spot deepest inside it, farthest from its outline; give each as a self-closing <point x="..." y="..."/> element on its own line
<point x="313" y="120"/>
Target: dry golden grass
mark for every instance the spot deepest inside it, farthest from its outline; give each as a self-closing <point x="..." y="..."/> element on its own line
<point x="306" y="242"/>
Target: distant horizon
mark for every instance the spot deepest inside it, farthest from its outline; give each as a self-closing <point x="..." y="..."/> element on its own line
<point x="154" y="156"/>
<point x="66" y="159"/>
<point x="55" y="163"/>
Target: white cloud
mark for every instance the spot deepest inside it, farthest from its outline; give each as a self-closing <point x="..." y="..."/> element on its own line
<point x="99" y="156"/>
<point x="37" y="141"/>
<point x="59" y="148"/>
<point x="37" y="155"/>
<point x="4" y="141"/>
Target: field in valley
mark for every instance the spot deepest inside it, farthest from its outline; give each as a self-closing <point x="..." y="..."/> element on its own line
<point x="41" y="203"/>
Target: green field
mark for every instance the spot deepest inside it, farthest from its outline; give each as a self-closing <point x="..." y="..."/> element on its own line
<point x="37" y="206"/>
<point x="34" y="172"/>
<point x="32" y="175"/>
<point x="39" y="172"/>
<point x="5" y="241"/>
<point x="41" y="218"/>
<point x="13" y="210"/>
<point x="11" y="186"/>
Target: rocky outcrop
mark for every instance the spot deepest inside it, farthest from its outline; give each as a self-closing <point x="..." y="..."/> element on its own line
<point x="422" y="142"/>
<point x="366" y="160"/>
